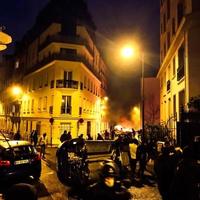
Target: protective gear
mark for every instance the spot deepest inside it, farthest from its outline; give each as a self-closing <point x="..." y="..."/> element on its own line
<point x="109" y="170"/>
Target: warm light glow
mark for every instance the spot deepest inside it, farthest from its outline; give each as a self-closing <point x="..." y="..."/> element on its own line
<point x="127" y="52"/>
<point x="106" y="98"/>
<point x="16" y="90"/>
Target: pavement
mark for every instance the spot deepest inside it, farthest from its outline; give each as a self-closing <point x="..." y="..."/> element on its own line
<point x="147" y="191"/>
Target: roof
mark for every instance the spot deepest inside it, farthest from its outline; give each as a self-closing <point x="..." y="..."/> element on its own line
<point x="13" y="143"/>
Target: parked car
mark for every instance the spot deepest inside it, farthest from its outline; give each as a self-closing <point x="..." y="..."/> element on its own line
<point x="18" y="159"/>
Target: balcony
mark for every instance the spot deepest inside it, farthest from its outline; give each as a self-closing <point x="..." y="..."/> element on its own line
<point x="64" y="57"/>
<point x="180" y="73"/>
<point x="65" y="39"/>
<point x="67" y="84"/>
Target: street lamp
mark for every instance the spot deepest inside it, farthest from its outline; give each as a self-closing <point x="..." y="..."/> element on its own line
<point x="128" y="52"/>
<point x="17" y="93"/>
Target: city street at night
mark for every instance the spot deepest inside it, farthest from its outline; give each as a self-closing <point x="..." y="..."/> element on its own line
<point x="100" y="100"/>
<point x="49" y="187"/>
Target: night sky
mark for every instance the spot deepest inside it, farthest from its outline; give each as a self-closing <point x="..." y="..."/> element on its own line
<point x="115" y="21"/>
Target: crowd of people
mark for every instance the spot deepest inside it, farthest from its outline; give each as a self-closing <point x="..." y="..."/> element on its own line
<point x="178" y="172"/>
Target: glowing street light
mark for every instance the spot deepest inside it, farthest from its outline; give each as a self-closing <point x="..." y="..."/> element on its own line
<point x="128" y="52"/>
<point x="16" y="90"/>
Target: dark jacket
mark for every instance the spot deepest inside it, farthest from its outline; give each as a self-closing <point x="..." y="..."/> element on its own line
<point x="99" y="191"/>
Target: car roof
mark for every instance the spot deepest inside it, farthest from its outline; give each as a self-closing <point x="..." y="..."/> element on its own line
<point x="13" y="143"/>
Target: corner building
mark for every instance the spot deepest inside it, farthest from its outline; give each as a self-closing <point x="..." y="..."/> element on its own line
<point x="63" y="75"/>
<point x="179" y="57"/>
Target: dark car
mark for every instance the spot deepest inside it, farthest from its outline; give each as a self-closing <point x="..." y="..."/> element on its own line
<point x="18" y="159"/>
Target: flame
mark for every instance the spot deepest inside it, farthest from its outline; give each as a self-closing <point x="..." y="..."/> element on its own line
<point x="126" y="125"/>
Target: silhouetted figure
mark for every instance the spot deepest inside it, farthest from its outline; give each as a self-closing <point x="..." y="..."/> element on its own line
<point x="43" y="143"/>
<point x="107" y="188"/>
<point x="64" y="136"/>
<point x="133" y="156"/>
<point x="142" y="157"/>
<point x="17" y="136"/>
<point x="112" y="134"/>
<point x="99" y="137"/>
<point x="186" y="182"/>
<point x="165" y="166"/>
<point x="35" y="138"/>
<point x="107" y="135"/>
<point x="69" y="136"/>
<point x="31" y="136"/>
<point x="21" y="191"/>
<point x="89" y="137"/>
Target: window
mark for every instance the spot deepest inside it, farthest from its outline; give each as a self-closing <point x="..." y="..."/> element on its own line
<point x="66" y="105"/>
<point x="164" y="22"/>
<point x="46" y="80"/>
<point x="174" y="65"/>
<point x="168" y="40"/>
<point x="32" y="106"/>
<point x="174" y="105"/>
<point x="173" y="26"/>
<point x="180" y="13"/>
<point x="181" y="63"/>
<point x="45" y="103"/>
<point x="168" y="9"/>
<point x="39" y="104"/>
<point x="85" y="81"/>
<point x="80" y="110"/>
<point x="181" y="100"/>
<point x="67" y="75"/>
<point x="28" y="106"/>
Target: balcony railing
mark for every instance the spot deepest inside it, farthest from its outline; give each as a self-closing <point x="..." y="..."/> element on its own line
<point x="180" y="73"/>
<point x="66" y="39"/>
<point x="64" y="56"/>
<point x="66" y="109"/>
<point x="168" y="85"/>
<point x="67" y="84"/>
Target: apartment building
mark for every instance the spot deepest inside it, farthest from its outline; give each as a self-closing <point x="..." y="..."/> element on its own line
<point x="62" y="73"/>
<point x="179" y="70"/>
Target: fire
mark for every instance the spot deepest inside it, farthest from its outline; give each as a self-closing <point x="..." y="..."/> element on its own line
<point x="126" y="125"/>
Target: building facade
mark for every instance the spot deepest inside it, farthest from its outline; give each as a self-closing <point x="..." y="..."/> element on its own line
<point x="179" y="70"/>
<point x="62" y="74"/>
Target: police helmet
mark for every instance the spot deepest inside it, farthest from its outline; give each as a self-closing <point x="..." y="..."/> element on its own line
<point x="109" y="170"/>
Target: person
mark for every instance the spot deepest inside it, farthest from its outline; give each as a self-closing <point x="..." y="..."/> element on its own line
<point x="164" y="168"/>
<point x="17" y="136"/>
<point x="21" y="191"/>
<point x="107" y="135"/>
<point x="113" y="134"/>
<point x="99" y="137"/>
<point x="142" y="157"/>
<point x="186" y="182"/>
<point x="133" y="156"/>
<point x="43" y="143"/>
<point x="31" y="136"/>
<point x="35" y="138"/>
<point x="69" y="136"/>
<point x="89" y="137"/>
<point x="108" y="188"/>
<point x="64" y="136"/>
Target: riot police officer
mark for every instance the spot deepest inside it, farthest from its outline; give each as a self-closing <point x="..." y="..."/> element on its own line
<point x="108" y="188"/>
